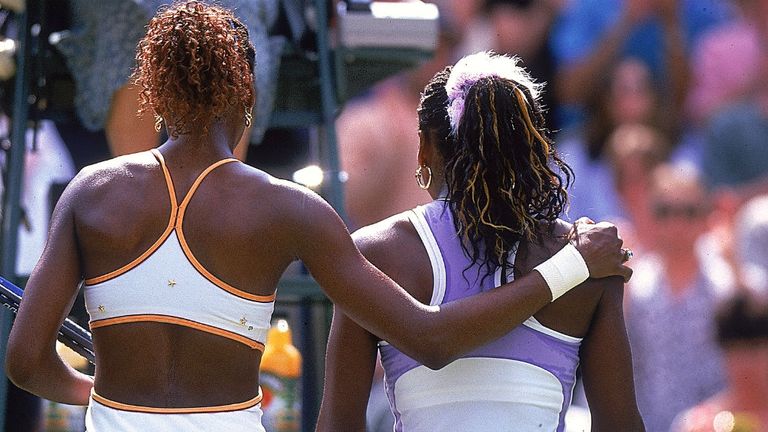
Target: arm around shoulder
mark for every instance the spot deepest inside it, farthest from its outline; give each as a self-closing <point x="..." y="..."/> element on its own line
<point x="378" y="304"/>
<point x="433" y="335"/>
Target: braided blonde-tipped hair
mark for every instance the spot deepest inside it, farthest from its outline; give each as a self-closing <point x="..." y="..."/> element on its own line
<point x="503" y="176"/>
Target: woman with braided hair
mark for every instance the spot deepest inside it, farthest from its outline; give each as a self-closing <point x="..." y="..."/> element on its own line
<point x="498" y="188"/>
<point x="181" y="248"/>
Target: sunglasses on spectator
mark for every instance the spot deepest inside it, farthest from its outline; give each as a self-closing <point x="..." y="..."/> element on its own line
<point x="670" y="210"/>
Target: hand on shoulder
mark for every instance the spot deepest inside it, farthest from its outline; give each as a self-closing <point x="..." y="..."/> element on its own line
<point x="601" y="247"/>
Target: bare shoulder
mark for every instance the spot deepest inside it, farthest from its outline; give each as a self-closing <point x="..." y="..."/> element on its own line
<point x="573" y="312"/>
<point x="560" y="230"/>
<point x="293" y="211"/>
<point x="561" y="233"/>
<point x="103" y="180"/>
<point x="385" y="236"/>
<point x="286" y="197"/>
<point x="394" y="246"/>
<point x="552" y="237"/>
<point x="121" y="167"/>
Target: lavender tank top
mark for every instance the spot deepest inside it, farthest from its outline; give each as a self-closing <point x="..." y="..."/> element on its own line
<point x="520" y="382"/>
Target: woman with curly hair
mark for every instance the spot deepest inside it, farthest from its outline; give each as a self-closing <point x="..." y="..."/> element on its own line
<point x="181" y="248"/>
<point x="498" y="189"/>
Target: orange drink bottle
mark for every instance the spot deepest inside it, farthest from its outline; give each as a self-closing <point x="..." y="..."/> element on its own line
<point x="279" y="378"/>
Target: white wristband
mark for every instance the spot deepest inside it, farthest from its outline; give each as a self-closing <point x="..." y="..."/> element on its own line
<point x="564" y="271"/>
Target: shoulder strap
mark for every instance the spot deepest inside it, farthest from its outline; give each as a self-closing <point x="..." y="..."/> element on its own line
<point x="169" y="186"/>
<point x="419" y="222"/>
<point x="200" y="178"/>
<point x="168" y="180"/>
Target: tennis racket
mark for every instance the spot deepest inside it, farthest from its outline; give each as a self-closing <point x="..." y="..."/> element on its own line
<point x="70" y="334"/>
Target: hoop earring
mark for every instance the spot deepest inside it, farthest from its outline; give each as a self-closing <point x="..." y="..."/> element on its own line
<point x="248" y="118"/>
<point x="420" y="177"/>
<point x="158" y="123"/>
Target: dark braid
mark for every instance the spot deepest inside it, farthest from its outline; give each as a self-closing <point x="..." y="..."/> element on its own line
<point x="501" y="182"/>
<point x="433" y="118"/>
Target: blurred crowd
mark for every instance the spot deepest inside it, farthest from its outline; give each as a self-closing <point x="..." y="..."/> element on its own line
<point x="661" y="109"/>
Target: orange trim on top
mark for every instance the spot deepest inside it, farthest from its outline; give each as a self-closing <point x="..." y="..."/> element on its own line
<point x="190" y="410"/>
<point x="200" y="179"/>
<point x="191" y="257"/>
<point x="215" y="280"/>
<point x="179" y="321"/>
<point x="168" y="229"/>
<point x="167" y="175"/>
<point x="175" y="221"/>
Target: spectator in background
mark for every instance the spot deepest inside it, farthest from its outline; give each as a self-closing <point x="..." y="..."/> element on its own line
<point x="735" y="154"/>
<point x="634" y="150"/>
<point x="735" y="117"/>
<point x="378" y="137"/>
<point x="670" y="302"/>
<point x="629" y="97"/>
<point x="742" y="325"/>
<point x="751" y="253"/>
<point x="520" y="28"/>
<point x="742" y="330"/>
<point x="729" y="62"/>
<point x="730" y="101"/>
<point x="592" y="34"/>
<point x="100" y="51"/>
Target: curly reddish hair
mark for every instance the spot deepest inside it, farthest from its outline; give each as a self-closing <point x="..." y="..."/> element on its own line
<point x="194" y="65"/>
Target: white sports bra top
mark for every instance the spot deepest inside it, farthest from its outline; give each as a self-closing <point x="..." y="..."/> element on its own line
<point x="168" y="284"/>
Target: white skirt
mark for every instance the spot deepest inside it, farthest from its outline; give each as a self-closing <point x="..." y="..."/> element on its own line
<point x="104" y="415"/>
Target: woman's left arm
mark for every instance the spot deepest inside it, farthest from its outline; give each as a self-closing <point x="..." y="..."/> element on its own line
<point x="349" y="368"/>
<point x="32" y="362"/>
<point x="606" y="361"/>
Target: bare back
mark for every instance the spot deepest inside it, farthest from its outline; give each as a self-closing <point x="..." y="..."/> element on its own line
<point x="230" y="228"/>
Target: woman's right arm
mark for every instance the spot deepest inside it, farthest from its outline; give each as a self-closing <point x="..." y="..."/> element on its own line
<point x="378" y="304"/>
<point x="31" y="361"/>
<point x="606" y="362"/>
